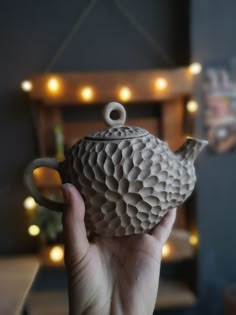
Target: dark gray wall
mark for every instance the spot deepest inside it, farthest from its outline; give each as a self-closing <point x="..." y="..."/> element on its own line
<point x="213" y="37"/>
<point x="30" y="34"/>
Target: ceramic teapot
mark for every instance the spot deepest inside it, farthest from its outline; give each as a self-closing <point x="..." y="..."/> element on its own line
<point x="127" y="177"/>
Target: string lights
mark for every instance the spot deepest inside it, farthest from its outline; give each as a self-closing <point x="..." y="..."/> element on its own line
<point x="29" y="203"/>
<point x="125" y="94"/>
<point x="192" y="106"/>
<point x="56" y="254"/>
<point x="195" y="68"/>
<point x="33" y="230"/>
<point x="194" y="239"/>
<point x="70" y="85"/>
<point x="166" y="250"/>
<point x="87" y="93"/>
<point x="26" y="85"/>
<point x="161" y="84"/>
<point x="53" y="85"/>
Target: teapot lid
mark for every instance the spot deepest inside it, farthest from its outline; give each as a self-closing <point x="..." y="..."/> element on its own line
<point x="117" y="129"/>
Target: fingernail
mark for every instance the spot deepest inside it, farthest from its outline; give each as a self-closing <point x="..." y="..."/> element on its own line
<point x="66" y="193"/>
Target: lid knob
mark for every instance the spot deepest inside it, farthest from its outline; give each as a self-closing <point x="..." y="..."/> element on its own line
<point x="116" y="107"/>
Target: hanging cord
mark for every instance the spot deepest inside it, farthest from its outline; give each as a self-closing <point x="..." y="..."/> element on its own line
<point x="141" y="30"/>
<point x="131" y="19"/>
<point x="75" y="28"/>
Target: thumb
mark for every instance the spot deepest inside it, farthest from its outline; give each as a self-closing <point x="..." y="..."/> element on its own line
<point x="76" y="242"/>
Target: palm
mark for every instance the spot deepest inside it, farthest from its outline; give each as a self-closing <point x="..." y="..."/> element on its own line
<point x="113" y="276"/>
<point x="120" y="276"/>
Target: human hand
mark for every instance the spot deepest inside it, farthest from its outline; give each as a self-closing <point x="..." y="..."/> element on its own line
<point x="111" y="276"/>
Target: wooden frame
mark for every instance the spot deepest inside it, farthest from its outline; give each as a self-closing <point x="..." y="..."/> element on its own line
<point x="106" y="86"/>
<point x="50" y="106"/>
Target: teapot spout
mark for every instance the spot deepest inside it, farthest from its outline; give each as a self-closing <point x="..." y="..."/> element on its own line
<point x="191" y="148"/>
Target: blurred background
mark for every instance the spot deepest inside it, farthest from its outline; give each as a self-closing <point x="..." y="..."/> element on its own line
<point x="152" y="40"/>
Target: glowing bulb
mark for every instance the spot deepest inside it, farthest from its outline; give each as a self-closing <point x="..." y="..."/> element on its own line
<point x="29" y="203"/>
<point x="192" y="106"/>
<point x="195" y="68"/>
<point x="33" y="230"/>
<point x="166" y="250"/>
<point x="161" y="84"/>
<point x="26" y="85"/>
<point x="56" y="254"/>
<point x="193" y="239"/>
<point x="125" y="94"/>
<point x="53" y="85"/>
<point x="87" y="93"/>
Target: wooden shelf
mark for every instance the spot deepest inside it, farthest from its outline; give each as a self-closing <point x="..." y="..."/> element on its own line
<point x="106" y="86"/>
<point x="17" y="275"/>
<point x="173" y="294"/>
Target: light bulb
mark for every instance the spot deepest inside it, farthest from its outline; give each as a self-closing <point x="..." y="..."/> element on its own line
<point x="161" y="84"/>
<point x="166" y="250"/>
<point x="87" y="93"/>
<point x="29" y="203"/>
<point x="195" y="68"/>
<point x="193" y="239"/>
<point x="125" y="94"/>
<point x="53" y="85"/>
<point x="26" y="86"/>
<point x="56" y="254"/>
<point x="33" y="230"/>
<point x="192" y="106"/>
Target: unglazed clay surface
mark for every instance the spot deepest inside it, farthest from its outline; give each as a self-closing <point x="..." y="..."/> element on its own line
<point x="128" y="178"/>
<point x="128" y="185"/>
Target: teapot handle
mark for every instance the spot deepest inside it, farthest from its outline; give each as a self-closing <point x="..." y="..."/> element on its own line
<point x="29" y="181"/>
